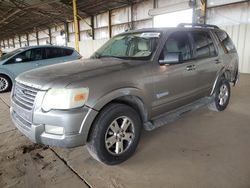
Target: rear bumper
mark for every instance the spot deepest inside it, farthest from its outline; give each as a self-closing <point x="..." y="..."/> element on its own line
<point x="76" y="124"/>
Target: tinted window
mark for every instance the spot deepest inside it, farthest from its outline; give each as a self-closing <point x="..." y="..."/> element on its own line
<point x="37" y="54"/>
<point x="25" y="56"/>
<point x="57" y="52"/>
<point x="226" y="41"/>
<point x="178" y="43"/>
<point x="8" y="55"/>
<point x="204" y="45"/>
<point x="28" y="55"/>
<point x="53" y="52"/>
<point x="67" y="52"/>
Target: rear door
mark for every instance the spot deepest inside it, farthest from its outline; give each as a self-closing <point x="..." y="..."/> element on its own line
<point x="175" y="84"/>
<point x="229" y="53"/>
<point x="56" y="55"/>
<point x="207" y="60"/>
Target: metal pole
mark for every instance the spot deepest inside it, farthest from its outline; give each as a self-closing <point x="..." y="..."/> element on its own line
<point x="8" y="42"/>
<point x="50" y="37"/>
<point x="109" y="24"/>
<point x="27" y="39"/>
<point x="37" y="38"/>
<point x="92" y="28"/>
<point x="205" y="16"/>
<point x="20" y="43"/>
<point x="13" y="40"/>
<point x="76" y="26"/>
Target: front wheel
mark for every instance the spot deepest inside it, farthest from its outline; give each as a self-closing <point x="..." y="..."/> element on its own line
<point x="5" y="84"/>
<point x="115" y="134"/>
<point x="221" y="96"/>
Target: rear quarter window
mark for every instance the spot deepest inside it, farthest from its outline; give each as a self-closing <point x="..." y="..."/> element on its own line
<point x="53" y="52"/>
<point x="226" y="41"/>
<point x="67" y="52"/>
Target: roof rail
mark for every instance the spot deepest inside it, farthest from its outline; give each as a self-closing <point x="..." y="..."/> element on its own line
<point x="198" y="25"/>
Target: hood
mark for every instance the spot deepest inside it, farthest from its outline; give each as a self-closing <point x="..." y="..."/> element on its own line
<point x="61" y="75"/>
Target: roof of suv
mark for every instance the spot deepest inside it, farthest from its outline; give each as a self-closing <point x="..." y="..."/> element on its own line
<point x="181" y="26"/>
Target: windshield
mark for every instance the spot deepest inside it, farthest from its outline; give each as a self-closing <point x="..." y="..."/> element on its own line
<point x="10" y="54"/>
<point x="140" y="45"/>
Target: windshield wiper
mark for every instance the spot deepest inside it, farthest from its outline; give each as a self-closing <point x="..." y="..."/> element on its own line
<point x="99" y="56"/>
<point x="103" y="56"/>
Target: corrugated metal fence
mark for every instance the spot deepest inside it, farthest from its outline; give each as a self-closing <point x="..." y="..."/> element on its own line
<point x="235" y="19"/>
<point x="240" y="35"/>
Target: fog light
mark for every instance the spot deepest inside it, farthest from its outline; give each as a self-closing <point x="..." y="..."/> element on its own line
<point x="54" y="130"/>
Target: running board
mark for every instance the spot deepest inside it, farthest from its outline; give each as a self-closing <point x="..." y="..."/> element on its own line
<point x="173" y="115"/>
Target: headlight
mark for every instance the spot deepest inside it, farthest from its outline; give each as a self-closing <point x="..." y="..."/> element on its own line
<point x="62" y="99"/>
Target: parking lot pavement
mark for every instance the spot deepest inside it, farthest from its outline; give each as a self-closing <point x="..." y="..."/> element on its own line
<point x="24" y="164"/>
<point x="5" y="97"/>
<point x="202" y="149"/>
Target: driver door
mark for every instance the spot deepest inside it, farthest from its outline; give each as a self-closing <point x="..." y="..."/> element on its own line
<point x="25" y="61"/>
<point x="175" y="84"/>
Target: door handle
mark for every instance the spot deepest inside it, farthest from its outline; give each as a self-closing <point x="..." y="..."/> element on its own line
<point x="37" y="64"/>
<point x="190" y="67"/>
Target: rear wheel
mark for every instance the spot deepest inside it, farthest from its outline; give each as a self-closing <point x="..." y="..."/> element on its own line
<point x="115" y="134"/>
<point x="221" y="96"/>
<point x="5" y="84"/>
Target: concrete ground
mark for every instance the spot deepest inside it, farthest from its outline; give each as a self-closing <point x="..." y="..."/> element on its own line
<point x="202" y="149"/>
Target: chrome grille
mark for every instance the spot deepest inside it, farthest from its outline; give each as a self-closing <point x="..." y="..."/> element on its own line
<point x="24" y="96"/>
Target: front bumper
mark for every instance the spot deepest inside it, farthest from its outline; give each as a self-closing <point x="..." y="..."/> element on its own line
<point x="76" y="123"/>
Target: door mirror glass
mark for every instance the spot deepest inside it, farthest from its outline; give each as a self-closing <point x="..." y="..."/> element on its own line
<point x="172" y="58"/>
<point x="18" y="59"/>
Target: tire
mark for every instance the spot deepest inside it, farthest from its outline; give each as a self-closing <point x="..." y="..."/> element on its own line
<point x="221" y="96"/>
<point x="5" y="84"/>
<point x="107" y="137"/>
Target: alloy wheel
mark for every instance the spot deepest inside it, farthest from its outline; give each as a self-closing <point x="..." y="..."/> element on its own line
<point x="223" y="95"/>
<point x="3" y="84"/>
<point x="119" y="135"/>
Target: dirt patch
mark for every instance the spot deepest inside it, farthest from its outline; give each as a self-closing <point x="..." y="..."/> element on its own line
<point x="32" y="147"/>
<point x="37" y="156"/>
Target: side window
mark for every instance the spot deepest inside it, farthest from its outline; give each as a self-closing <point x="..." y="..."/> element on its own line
<point x="22" y="57"/>
<point x="53" y="52"/>
<point x="226" y="41"/>
<point x="212" y="48"/>
<point x="204" y="46"/>
<point x="37" y="54"/>
<point x="26" y="56"/>
<point x="178" y="43"/>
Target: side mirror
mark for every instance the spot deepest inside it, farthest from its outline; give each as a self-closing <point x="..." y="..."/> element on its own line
<point x="172" y="58"/>
<point x="18" y="59"/>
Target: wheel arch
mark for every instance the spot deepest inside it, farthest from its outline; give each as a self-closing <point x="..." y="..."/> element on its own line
<point x="222" y="73"/>
<point x="130" y="98"/>
<point x="8" y="74"/>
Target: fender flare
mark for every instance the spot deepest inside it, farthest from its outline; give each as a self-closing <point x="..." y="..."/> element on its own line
<point x="115" y="94"/>
<point x="222" y="72"/>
